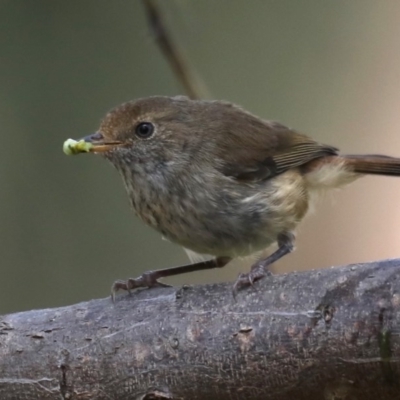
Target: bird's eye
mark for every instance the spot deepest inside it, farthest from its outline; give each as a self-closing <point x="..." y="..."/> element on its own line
<point x="144" y="130"/>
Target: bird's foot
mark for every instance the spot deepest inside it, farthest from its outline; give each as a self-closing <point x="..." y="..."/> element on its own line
<point x="258" y="271"/>
<point x="148" y="279"/>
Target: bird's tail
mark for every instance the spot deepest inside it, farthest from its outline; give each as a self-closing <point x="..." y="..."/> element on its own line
<point x="335" y="171"/>
<point x="373" y="164"/>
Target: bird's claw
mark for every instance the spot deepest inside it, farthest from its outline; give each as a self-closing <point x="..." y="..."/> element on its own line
<point x="248" y="279"/>
<point x="148" y="279"/>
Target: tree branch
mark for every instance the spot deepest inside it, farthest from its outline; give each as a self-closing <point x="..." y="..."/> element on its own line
<point x="328" y="334"/>
<point x="187" y="77"/>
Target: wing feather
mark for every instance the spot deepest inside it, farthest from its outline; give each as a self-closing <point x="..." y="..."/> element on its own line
<point x="263" y="149"/>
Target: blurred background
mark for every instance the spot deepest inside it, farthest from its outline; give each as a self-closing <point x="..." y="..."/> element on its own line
<point x="329" y="69"/>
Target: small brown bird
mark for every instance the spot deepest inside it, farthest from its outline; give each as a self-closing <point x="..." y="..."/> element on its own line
<point x="218" y="180"/>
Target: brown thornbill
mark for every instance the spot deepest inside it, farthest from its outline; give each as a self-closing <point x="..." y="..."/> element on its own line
<point x="218" y="180"/>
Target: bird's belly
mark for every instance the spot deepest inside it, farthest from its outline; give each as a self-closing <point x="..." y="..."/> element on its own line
<point x="222" y="235"/>
<point x="232" y="222"/>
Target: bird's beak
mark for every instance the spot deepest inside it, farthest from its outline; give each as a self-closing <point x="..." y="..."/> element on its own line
<point x="94" y="143"/>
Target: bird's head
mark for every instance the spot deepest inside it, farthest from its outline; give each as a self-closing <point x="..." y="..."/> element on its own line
<point x="149" y="133"/>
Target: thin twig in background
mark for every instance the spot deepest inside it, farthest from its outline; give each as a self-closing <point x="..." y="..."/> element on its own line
<point x="180" y="67"/>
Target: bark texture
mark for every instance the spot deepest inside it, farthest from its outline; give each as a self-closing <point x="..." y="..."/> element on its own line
<point x="330" y="334"/>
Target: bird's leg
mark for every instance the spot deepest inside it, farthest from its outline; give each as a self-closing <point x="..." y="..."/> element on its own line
<point x="150" y="278"/>
<point x="260" y="268"/>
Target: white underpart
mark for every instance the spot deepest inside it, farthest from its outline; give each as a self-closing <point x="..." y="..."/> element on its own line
<point x="197" y="257"/>
<point x="243" y="261"/>
<point x="326" y="177"/>
<point x="330" y="176"/>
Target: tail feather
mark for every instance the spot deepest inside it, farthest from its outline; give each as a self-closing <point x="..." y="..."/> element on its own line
<point x="373" y="164"/>
<point x="335" y="171"/>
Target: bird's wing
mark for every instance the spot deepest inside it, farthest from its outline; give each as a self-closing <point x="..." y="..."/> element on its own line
<point x="263" y="153"/>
